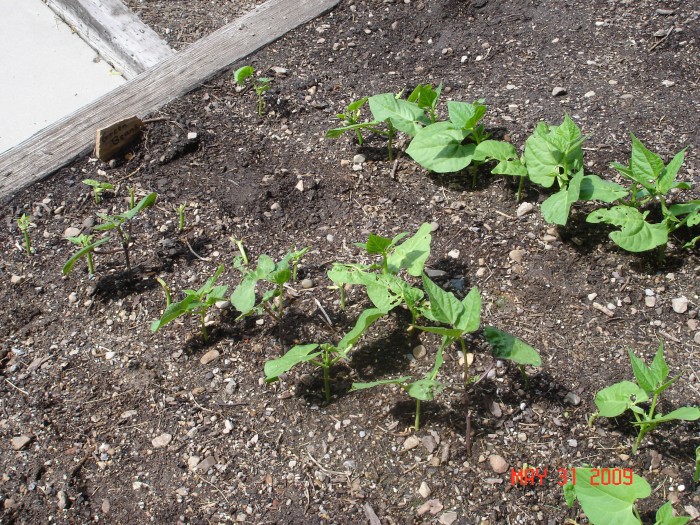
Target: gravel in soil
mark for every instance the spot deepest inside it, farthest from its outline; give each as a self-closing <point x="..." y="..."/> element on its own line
<point x="102" y="420"/>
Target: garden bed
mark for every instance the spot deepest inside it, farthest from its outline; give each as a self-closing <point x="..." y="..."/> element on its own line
<point x="126" y="426"/>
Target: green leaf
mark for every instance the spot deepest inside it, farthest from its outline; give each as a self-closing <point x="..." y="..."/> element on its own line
<point x="507" y="346"/>
<point x="242" y="73"/>
<point x="377" y="244"/>
<point x="645" y="165"/>
<point x="506" y="155"/>
<point x="658" y="366"/>
<point x="296" y="355"/>
<point x="636" y="234"/>
<point x="412" y="253"/>
<point x="667" y="179"/>
<point x="569" y="494"/>
<point x="615" y="399"/>
<point x="68" y="266"/>
<point x="645" y="377"/>
<point x="664" y="516"/>
<point x="438" y="147"/>
<point x="464" y="115"/>
<point x="452" y="333"/>
<point x="337" y="132"/>
<point x="148" y="200"/>
<point x="683" y="414"/>
<point x="425" y="96"/>
<point x="380" y="295"/>
<point x="366" y="319"/>
<point x="354" y="106"/>
<point x="446" y="308"/>
<point x="423" y="389"/>
<point x="553" y="153"/>
<point x="686" y="208"/>
<point x="402" y="114"/>
<point x="243" y="297"/>
<point x="343" y="274"/>
<point x="557" y="207"/>
<point x="593" y="188"/>
<point x="608" y="504"/>
<point x="189" y="304"/>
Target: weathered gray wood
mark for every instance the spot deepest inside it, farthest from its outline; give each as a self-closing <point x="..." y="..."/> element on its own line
<point x="115" y="33"/>
<point x="60" y="143"/>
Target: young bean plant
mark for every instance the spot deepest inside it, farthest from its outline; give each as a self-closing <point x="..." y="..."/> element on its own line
<point x="323" y="355"/>
<point x="98" y="188"/>
<point x="652" y="380"/>
<point x="117" y="228"/>
<point x="609" y="503"/>
<point x="195" y="302"/>
<point x="261" y="85"/>
<point x="23" y="223"/>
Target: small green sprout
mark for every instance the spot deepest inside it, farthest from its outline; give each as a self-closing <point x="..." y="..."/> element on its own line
<point x="261" y="85"/>
<point x="85" y="241"/>
<point x="626" y="395"/>
<point x="98" y="188"/>
<point x="24" y="222"/>
<point x="196" y="302"/>
<point x="181" y="216"/>
<point x="112" y="223"/>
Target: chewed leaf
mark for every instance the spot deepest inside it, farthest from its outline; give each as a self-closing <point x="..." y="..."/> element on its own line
<point x="297" y="354"/>
<point x="615" y="399"/>
<point x="506" y="155"/>
<point x="636" y="234"/>
<point x="242" y="73"/>
<point x="606" y="504"/>
<point x="412" y="253"/>
<point x="507" y="346"/>
<point x="664" y="516"/>
<point x="424" y="389"/>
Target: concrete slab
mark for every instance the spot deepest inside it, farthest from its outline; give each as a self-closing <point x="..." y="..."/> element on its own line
<point x="47" y="71"/>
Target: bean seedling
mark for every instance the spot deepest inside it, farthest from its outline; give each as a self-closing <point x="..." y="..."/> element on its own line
<point x="614" y="400"/>
<point x="24" y="222"/>
<point x="463" y="317"/>
<point x="181" y="217"/>
<point x="323" y="355"/>
<point x="615" y="503"/>
<point x="261" y="85"/>
<point x="98" y="188"/>
<point x="651" y="183"/>
<point x="113" y="223"/>
<point x="196" y="302"/>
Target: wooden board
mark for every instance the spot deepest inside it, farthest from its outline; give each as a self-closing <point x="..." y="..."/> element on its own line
<point x="116" y="33"/>
<point x="65" y="140"/>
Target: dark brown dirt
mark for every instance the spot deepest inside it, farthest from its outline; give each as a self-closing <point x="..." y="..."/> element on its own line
<point x="84" y="377"/>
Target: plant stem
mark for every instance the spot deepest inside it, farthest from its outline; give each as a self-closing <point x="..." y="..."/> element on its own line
<point x="326" y="374"/>
<point x="341" y="289"/>
<point x="27" y="244"/>
<point x="204" y="326"/>
<point x="391" y="141"/>
<point x="520" y="189"/>
<point x="91" y="267"/>
<point x="125" y="246"/>
<point x="416" y="424"/>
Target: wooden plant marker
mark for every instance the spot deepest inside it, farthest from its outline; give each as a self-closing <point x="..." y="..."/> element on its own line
<point x="111" y="140"/>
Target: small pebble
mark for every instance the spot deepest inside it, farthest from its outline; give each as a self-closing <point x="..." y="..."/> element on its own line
<point x="453" y="254"/>
<point x="680" y="305"/>
<point x="162" y="440"/>
<point x="572" y="398"/>
<point x="419" y="352"/>
<point x="73" y="297"/>
<point x="307" y="283"/>
<point x="572" y="443"/>
<point x="524" y="209"/>
<point x="19" y="442"/>
<point x="411" y="442"/>
<point x="71" y="232"/>
<point x="210" y="356"/>
<point x="498" y="464"/>
<point x="424" y="490"/>
<point x="516" y="256"/>
<point x="558" y="91"/>
<point x="358" y="159"/>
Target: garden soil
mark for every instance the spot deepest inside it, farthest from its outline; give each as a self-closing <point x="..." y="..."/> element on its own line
<point x="102" y="421"/>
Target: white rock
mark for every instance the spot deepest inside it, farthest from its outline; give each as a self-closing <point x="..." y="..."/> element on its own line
<point x="419" y="352"/>
<point x="498" y="463"/>
<point x="16" y="279"/>
<point x="411" y="442"/>
<point x="210" y="356"/>
<point x="162" y="441"/>
<point x="680" y="304"/>
<point x="572" y="398"/>
<point x="307" y="283"/>
<point x="453" y="254"/>
<point x="696" y="339"/>
<point x="589" y="94"/>
<point x="73" y="297"/>
<point x="110" y="355"/>
<point x="668" y="83"/>
<point x="424" y="490"/>
<point x="19" y="442"/>
<point x="192" y="135"/>
<point x="516" y="256"/>
<point x="558" y="91"/>
<point x="280" y="70"/>
<point x="71" y="232"/>
<point x="300" y="185"/>
<point x="222" y="305"/>
<point x="448" y="518"/>
<point x="650" y="301"/>
<point x="358" y="159"/>
<point x="524" y="208"/>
